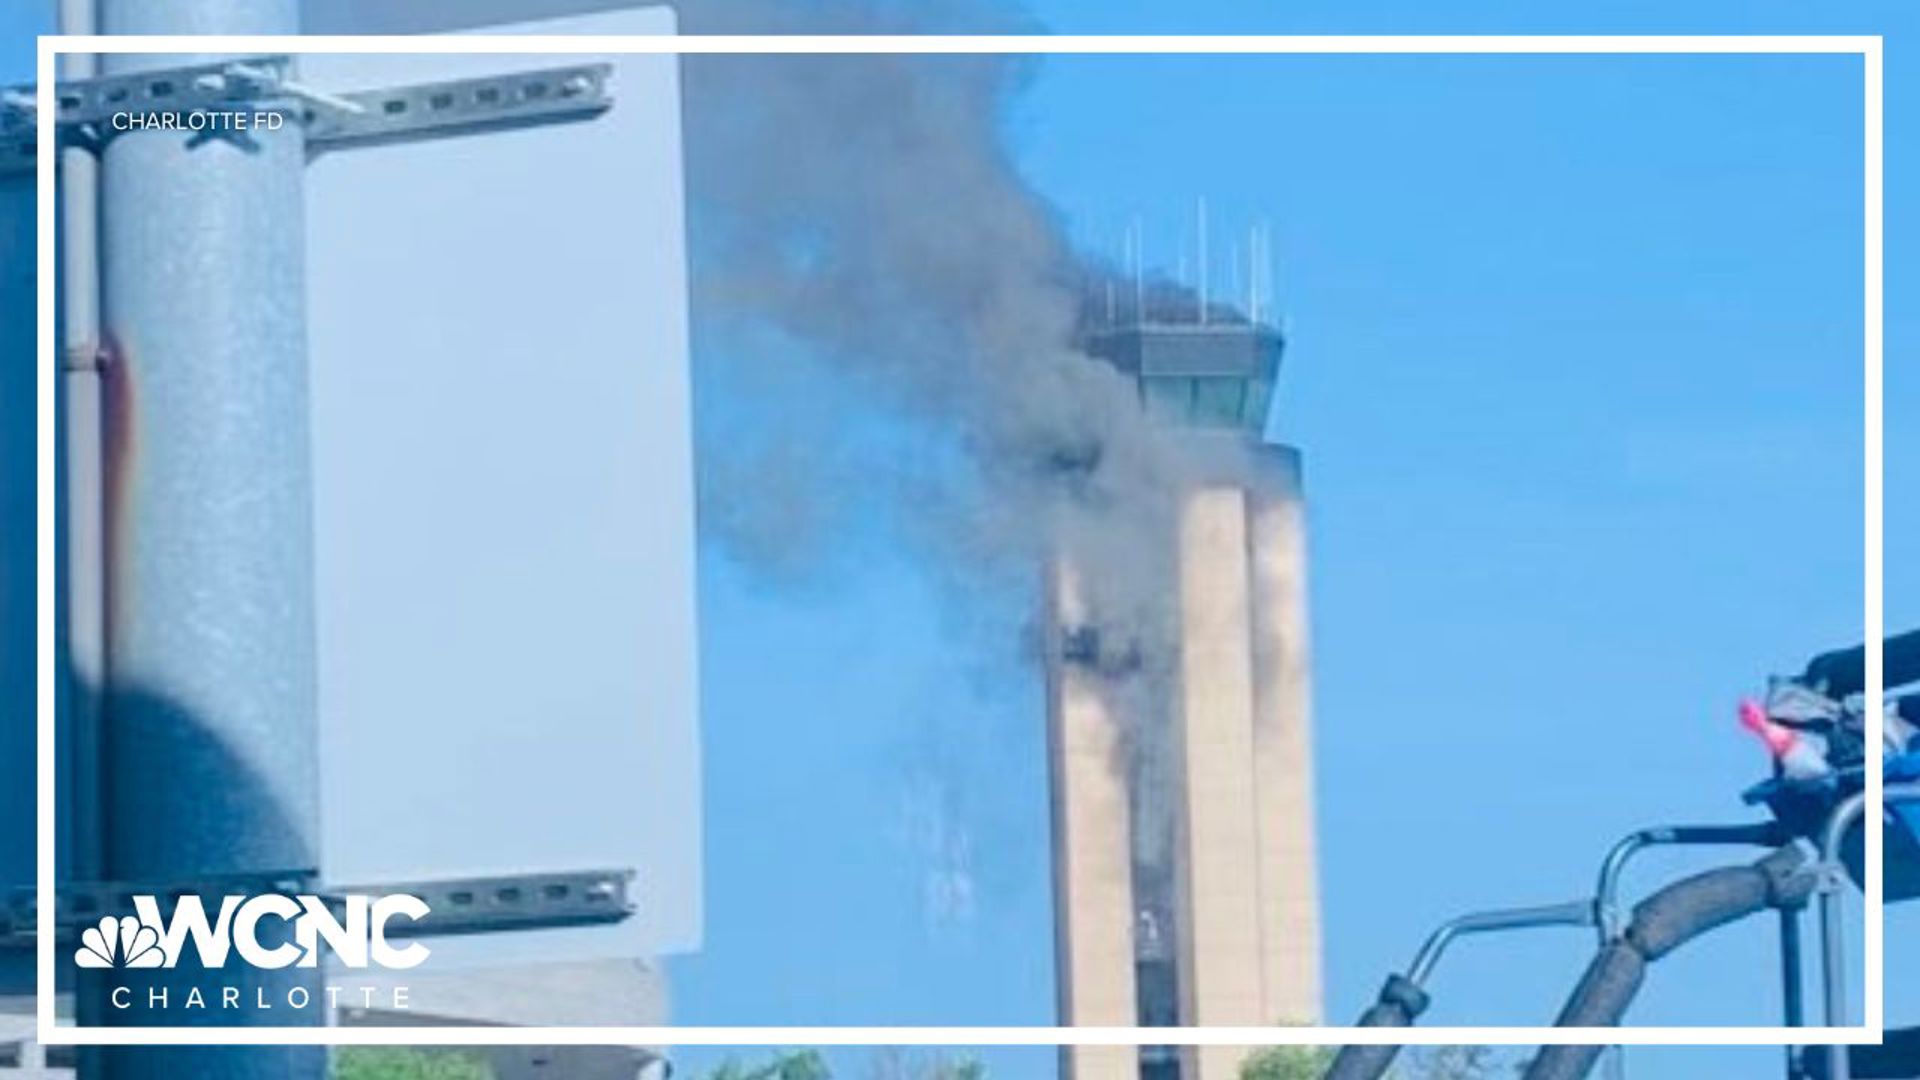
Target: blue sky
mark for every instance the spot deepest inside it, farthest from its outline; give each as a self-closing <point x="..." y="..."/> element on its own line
<point x="1568" y="336"/>
<point x="1574" y="367"/>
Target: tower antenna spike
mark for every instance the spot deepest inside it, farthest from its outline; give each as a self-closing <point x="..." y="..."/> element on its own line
<point x="1268" y="302"/>
<point x="1233" y="270"/>
<point x="1253" y="273"/>
<point x="1200" y="258"/>
<point x="1262" y="285"/>
<point x="1268" y="271"/>
<point x="1139" y="273"/>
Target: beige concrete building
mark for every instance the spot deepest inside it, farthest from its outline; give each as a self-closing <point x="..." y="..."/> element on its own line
<point x="1093" y="862"/>
<point x="1196" y="904"/>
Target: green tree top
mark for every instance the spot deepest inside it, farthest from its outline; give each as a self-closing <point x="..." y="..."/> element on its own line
<point x="1286" y="1063"/>
<point x="404" y="1063"/>
<point x="786" y="1065"/>
<point x="1418" y="1063"/>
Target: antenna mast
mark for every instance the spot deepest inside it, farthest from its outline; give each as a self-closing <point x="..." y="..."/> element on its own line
<point x="1139" y="275"/>
<point x="1200" y="211"/>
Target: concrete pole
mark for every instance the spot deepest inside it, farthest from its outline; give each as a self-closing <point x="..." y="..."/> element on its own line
<point x="1283" y="743"/>
<point x="1218" y="882"/>
<point x="209" y="749"/>
<point x="1092" y="846"/>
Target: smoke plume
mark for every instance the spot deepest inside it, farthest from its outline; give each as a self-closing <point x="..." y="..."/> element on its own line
<point x="860" y="222"/>
<point x="863" y="238"/>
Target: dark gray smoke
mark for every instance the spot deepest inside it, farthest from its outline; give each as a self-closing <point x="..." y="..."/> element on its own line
<point x="863" y="241"/>
<point x="859" y="221"/>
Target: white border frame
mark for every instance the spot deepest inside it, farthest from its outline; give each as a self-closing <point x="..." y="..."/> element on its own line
<point x="1868" y="48"/>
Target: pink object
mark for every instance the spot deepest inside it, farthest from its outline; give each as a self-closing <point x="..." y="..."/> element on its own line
<point x="1800" y="756"/>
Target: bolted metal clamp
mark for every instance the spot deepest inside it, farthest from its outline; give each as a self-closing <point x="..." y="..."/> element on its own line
<point x="86" y="110"/>
<point x="473" y="905"/>
<point x="461" y="107"/>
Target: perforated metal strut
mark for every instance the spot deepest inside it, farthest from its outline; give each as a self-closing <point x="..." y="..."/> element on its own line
<point x="473" y="905"/>
<point x="219" y="98"/>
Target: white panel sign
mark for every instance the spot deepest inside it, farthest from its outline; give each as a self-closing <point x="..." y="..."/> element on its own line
<point x="505" y="499"/>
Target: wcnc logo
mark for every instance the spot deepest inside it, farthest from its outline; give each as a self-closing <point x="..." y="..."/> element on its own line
<point x="357" y="939"/>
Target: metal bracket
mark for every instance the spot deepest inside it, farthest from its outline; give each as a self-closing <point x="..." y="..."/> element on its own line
<point x="91" y="112"/>
<point x="511" y="902"/>
<point x="463" y="107"/>
<point x="82" y="903"/>
<point x="85" y="109"/>
<point x="84" y="357"/>
<point x="455" y="905"/>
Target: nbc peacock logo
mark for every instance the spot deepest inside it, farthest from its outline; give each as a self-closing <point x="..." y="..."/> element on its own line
<point x="264" y="932"/>
<point x="125" y="942"/>
<point x="356" y="935"/>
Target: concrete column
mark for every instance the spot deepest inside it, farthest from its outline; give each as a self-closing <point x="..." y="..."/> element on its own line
<point x="1283" y="756"/>
<point x="1218" y="882"/>
<point x="1093" y="891"/>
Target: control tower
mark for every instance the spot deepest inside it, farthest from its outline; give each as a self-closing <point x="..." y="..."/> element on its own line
<point x="1214" y="921"/>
